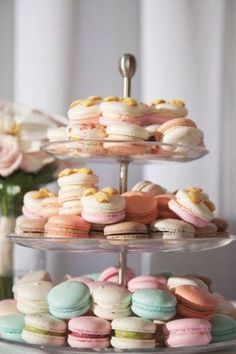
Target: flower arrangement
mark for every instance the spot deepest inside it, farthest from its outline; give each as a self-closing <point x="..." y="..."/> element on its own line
<point x="23" y="167"/>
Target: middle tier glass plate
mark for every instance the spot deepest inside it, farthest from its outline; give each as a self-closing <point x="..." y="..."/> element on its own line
<point x="111" y="150"/>
<point x="100" y="245"/>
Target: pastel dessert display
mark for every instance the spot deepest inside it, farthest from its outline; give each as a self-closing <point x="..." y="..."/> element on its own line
<point x="31" y="277"/>
<point x="50" y="207"/>
<point x="187" y="332"/>
<point x="72" y="183"/>
<point x="140" y="207"/>
<point x="133" y="333"/>
<point x="164" y="212"/>
<point x="44" y="329"/>
<point x="67" y="226"/>
<point x="69" y="299"/>
<point x="193" y="206"/>
<point x="171" y="229"/>
<point x="103" y="207"/>
<point x="89" y="332"/>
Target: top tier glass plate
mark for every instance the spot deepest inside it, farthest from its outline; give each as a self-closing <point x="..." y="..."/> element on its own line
<point x="24" y="348"/>
<point x="124" y="150"/>
<point x="103" y="245"/>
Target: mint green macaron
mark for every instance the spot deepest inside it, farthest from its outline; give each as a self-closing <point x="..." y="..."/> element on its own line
<point x="69" y="299"/>
<point x="154" y="304"/>
<point x="223" y="328"/>
<point x="11" y="327"/>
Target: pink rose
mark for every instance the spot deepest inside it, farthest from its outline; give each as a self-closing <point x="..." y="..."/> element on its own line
<point x="10" y="156"/>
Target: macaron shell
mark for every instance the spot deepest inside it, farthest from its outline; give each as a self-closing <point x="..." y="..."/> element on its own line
<point x="223" y="328"/>
<point x="8" y="307"/>
<point x="76" y="342"/>
<point x="42" y="339"/>
<point x="123" y="343"/>
<point x="186" y="214"/>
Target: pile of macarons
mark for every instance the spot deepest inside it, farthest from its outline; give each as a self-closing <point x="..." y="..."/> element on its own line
<point x="93" y="311"/>
<point x="121" y="125"/>
<point x="82" y="210"/>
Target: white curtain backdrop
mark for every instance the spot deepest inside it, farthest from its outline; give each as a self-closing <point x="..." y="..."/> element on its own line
<point x="55" y="51"/>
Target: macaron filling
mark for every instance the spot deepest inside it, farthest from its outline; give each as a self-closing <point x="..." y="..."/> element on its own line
<point x="32" y="329"/>
<point x="132" y="335"/>
<point x="82" y="334"/>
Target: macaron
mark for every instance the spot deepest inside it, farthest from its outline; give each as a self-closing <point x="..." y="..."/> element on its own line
<point x="72" y="183"/>
<point x="170" y="109"/>
<point x="110" y="302"/>
<point x="133" y="333"/>
<point x="63" y="226"/>
<point x="44" y="329"/>
<point x="171" y="229"/>
<point x="147" y="282"/>
<point x="154" y="304"/>
<point x="33" y="202"/>
<point x="103" y="207"/>
<point x="32" y="297"/>
<point x="126" y="139"/>
<point x="8" y="307"/>
<point x="98" y="283"/>
<point x="176" y="281"/>
<point x="69" y="299"/>
<point x="195" y="302"/>
<point x="187" y="332"/>
<point x="111" y="274"/>
<point x="89" y="332"/>
<point x="181" y="131"/>
<point x="193" y="206"/>
<point x="50" y="207"/>
<point x="163" y="209"/>
<point x="30" y="227"/>
<point x="149" y="187"/>
<point x="127" y="230"/>
<point x="140" y="207"/>
<point x="222" y="226"/>
<point x="223" y="328"/>
<point x="117" y="110"/>
<point x="208" y="231"/>
<point x="11" y="327"/>
<point x="85" y="111"/>
<point x="31" y="277"/>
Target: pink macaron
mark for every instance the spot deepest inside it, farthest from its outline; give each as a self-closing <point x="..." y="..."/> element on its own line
<point x="147" y="282"/>
<point x="187" y="332"/>
<point x="111" y="274"/>
<point x="89" y="332"/>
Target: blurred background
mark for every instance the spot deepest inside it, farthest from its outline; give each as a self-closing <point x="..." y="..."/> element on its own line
<point x="53" y="52"/>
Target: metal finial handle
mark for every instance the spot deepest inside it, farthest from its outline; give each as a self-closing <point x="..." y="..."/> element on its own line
<point x="127" y="67"/>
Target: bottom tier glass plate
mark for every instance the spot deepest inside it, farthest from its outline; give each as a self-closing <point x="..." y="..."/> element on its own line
<point x="110" y="246"/>
<point x="23" y="348"/>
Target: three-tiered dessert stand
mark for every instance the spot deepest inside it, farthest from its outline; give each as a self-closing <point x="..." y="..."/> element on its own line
<point x="79" y="150"/>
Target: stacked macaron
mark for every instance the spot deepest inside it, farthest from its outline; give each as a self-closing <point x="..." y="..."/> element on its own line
<point x="149" y="311"/>
<point x="72" y="183"/>
<point x="148" y="210"/>
<point x="38" y="206"/>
